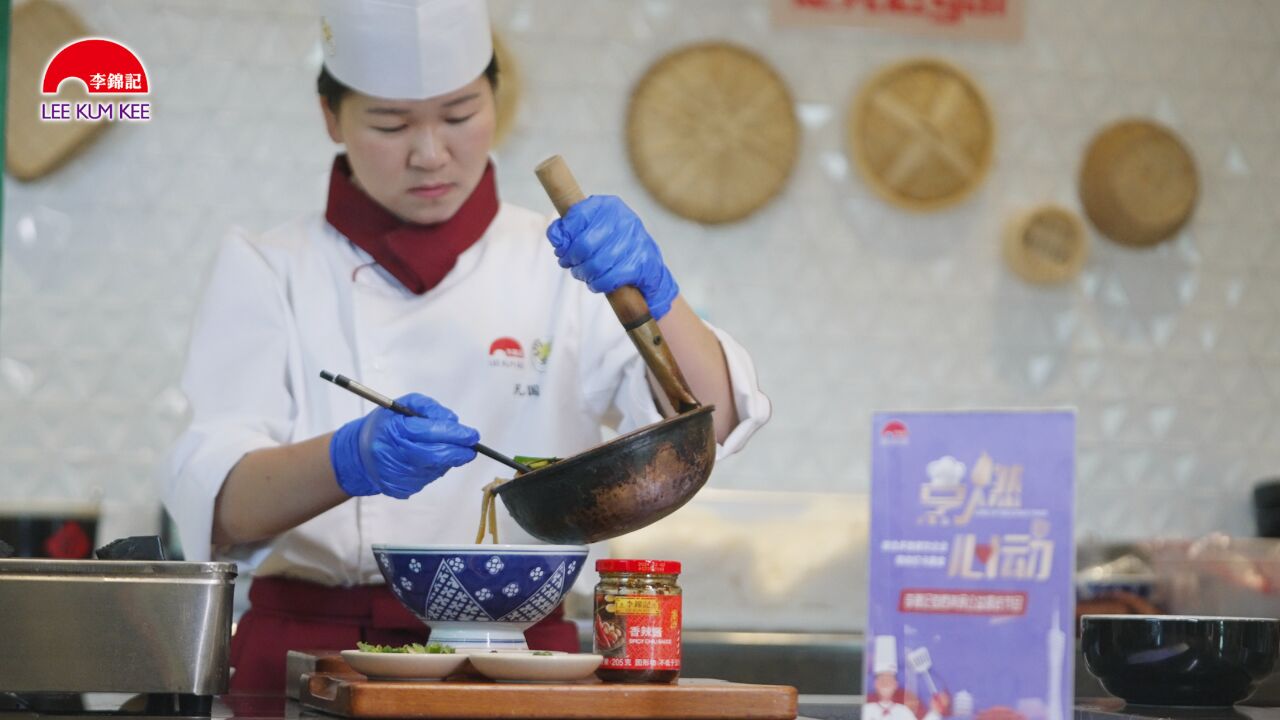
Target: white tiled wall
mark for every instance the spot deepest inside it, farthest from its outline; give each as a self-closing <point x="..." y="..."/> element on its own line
<point x="1172" y="355"/>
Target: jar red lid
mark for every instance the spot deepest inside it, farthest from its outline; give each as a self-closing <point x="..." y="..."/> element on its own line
<point x="646" y="567"/>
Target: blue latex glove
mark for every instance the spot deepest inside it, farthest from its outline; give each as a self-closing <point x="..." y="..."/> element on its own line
<point x="397" y="455"/>
<point x="606" y="246"/>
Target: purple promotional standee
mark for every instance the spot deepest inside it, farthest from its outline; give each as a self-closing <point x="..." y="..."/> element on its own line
<point x="972" y="560"/>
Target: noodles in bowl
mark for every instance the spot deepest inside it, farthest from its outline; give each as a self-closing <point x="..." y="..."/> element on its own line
<point x="489" y="500"/>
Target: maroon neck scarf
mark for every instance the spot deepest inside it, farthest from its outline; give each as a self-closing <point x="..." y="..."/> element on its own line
<point x="419" y="256"/>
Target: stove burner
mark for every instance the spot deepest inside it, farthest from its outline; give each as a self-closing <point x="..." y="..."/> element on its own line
<point x="141" y="705"/>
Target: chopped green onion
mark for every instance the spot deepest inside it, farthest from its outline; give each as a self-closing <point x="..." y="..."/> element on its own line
<point x="535" y="462"/>
<point x="410" y="649"/>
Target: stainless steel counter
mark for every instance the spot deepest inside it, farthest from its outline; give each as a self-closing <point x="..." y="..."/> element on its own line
<point x="115" y="625"/>
<point x="822" y="663"/>
<point x="813" y="663"/>
<point x="817" y="663"/>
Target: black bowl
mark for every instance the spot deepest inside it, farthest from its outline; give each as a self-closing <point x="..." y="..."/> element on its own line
<point x="1179" y="660"/>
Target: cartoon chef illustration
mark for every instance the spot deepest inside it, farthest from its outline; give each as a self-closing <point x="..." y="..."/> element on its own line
<point x="881" y="704"/>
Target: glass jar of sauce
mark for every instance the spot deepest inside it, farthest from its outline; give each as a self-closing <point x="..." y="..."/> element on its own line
<point x="637" y="620"/>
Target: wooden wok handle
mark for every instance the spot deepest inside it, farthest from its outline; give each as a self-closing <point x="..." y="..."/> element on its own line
<point x="627" y="302"/>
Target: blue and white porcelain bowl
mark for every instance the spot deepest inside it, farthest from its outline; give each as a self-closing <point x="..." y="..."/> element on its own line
<point x="480" y="596"/>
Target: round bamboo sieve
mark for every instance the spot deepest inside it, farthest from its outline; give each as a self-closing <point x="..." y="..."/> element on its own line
<point x="508" y="97"/>
<point x="33" y="147"/>
<point x="921" y="134"/>
<point x="712" y="132"/>
<point x="1046" y="245"/>
<point x="1138" y="182"/>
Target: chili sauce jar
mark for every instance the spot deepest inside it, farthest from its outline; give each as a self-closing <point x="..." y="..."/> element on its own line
<point x="637" y="620"/>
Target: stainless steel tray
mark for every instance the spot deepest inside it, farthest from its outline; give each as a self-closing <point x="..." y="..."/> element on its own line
<point x="115" y="626"/>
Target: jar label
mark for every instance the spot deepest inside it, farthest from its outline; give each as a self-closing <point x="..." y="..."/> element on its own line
<point x="638" y="632"/>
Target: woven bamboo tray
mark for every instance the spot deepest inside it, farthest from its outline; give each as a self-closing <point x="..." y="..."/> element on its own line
<point x="921" y="134"/>
<point x="712" y="132"/>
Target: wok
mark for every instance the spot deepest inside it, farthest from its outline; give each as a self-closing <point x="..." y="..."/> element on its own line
<point x="635" y="479"/>
<point x="623" y="485"/>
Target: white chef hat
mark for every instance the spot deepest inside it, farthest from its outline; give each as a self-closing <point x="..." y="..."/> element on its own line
<point x="405" y="49"/>
<point x="885" y="658"/>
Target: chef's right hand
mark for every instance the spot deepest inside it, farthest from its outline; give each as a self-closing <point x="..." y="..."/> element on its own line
<point x="397" y="455"/>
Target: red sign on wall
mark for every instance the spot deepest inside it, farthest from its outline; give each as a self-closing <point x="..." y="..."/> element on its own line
<point x="980" y="19"/>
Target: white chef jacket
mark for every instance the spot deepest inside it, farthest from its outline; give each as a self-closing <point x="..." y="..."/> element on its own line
<point x="281" y="307"/>
<point x="872" y="710"/>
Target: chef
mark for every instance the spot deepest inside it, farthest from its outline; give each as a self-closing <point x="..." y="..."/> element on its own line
<point x="416" y="278"/>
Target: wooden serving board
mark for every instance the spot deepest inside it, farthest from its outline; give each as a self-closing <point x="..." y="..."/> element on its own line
<point x="355" y="696"/>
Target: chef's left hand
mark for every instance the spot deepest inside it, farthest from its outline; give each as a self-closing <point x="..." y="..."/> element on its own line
<point x="604" y="244"/>
<point x="940" y="703"/>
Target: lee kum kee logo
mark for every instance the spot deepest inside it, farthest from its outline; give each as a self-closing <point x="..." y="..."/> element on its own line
<point x="894" y="432"/>
<point x="106" y="68"/>
<point x="506" y="352"/>
<point x="506" y="346"/>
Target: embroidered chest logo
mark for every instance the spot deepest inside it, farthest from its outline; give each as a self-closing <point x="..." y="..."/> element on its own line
<point x="541" y="354"/>
<point x="507" y="352"/>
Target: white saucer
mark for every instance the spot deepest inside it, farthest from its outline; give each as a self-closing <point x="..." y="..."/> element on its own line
<point x="404" y="666"/>
<point x="529" y="667"/>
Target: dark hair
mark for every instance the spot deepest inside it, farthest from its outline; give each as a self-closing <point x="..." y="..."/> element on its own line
<point x="333" y="90"/>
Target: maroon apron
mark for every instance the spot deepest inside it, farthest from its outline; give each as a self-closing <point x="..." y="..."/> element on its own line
<point x="289" y="615"/>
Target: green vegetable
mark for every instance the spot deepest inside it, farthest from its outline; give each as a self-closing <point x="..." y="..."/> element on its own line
<point x="535" y="462"/>
<point x="542" y="652"/>
<point x="411" y="648"/>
